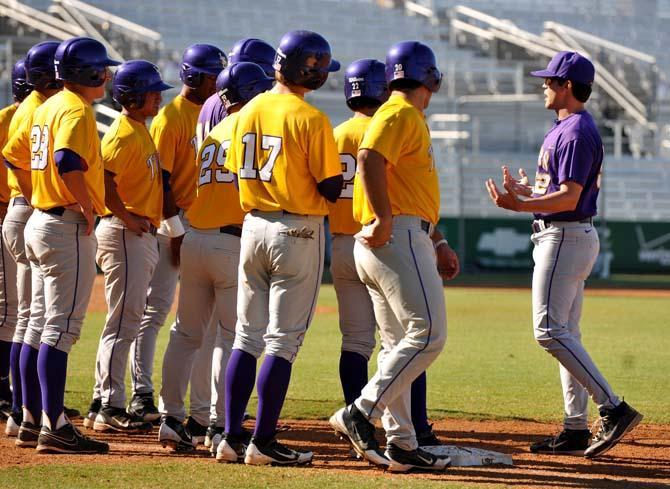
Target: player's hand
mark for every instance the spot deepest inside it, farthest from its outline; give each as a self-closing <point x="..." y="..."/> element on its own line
<point x="376" y="234"/>
<point x="447" y="261"/>
<point x="506" y="200"/>
<point x="90" y="220"/>
<point x="520" y="185"/>
<point x="137" y="225"/>
<point x="175" y="248"/>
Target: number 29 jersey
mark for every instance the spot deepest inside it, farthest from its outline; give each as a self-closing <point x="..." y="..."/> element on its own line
<point x="281" y="148"/>
<point x="348" y="137"/>
<point x="64" y="121"/>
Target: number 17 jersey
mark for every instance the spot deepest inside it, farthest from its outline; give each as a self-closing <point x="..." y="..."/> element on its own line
<point x="281" y="148"/>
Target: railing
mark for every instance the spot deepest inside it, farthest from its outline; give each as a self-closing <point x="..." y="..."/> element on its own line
<point x="38" y="20"/>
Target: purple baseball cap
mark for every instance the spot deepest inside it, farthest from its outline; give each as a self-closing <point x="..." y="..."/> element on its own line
<point x="568" y="65"/>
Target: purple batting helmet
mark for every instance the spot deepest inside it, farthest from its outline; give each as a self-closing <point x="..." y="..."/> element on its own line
<point x="254" y="51"/>
<point x="412" y="60"/>
<point x="365" y="80"/>
<point x="83" y="61"/>
<point x="20" y="86"/>
<point x="241" y="82"/>
<point x="133" y="80"/>
<point x="200" y="60"/>
<point x="295" y="49"/>
<point x="39" y="65"/>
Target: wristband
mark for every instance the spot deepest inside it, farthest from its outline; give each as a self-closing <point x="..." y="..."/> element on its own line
<point x="174" y="226"/>
<point x="440" y="243"/>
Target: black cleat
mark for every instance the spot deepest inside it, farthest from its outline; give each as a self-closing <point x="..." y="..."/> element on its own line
<point x="567" y="442"/>
<point x="198" y="431"/>
<point x="68" y="439"/>
<point x="172" y="433"/>
<point x="403" y="460"/>
<point x="614" y="424"/>
<point x="28" y="435"/>
<point x="428" y="438"/>
<point x="233" y="448"/>
<point x="117" y="419"/>
<point x="93" y="409"/>
<point x="5" y="409"/>
<point x="142" y="406"/>
<point x="350" y="424"/>
<point x="14" y="424"/>
<point x="274" y="453"/>
<point x="213" y="436"/>
<point x="71" y="413"/>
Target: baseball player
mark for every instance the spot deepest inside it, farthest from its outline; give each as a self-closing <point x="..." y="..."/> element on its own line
<point x="60" y="148"/>
<point x="213" y="111"/>
<point x="286" y="161"/>
<point x="251" y="50"/>
<point x="563" y="202"/>
<point x="127" y="248"/>
<point x="10" y="400"/>
<point x="25" y="423"/>
<point x="396" y="198"/>
<point x="365" y="89"/>
<point x="209" y="255"/>
<point x="173" y="132"/>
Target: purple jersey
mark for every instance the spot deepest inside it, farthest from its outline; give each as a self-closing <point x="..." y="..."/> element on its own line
<point x="572" y="151"/>
<point x="211" y="113"/>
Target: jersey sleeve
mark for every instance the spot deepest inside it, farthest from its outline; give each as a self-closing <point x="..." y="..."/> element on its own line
<point x="386" y="133"/>
<point x="17" y="149"/>
<point x="574" y="160"/>
<point x="72" y="133"/>
<point x="117" y="153"/>
<point x="165" y="139"/>
<point x="323" y="157"/>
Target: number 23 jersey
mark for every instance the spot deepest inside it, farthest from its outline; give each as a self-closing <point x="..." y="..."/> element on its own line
<point x="282" y="147"/>
<point x="64" y="121"/>
<point x="348" y="137"/>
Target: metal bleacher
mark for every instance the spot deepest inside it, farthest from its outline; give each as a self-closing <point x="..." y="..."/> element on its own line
<point x="489" y="111"/>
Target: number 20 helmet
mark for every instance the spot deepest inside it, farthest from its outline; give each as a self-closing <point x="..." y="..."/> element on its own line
<point x="412" y="60"/>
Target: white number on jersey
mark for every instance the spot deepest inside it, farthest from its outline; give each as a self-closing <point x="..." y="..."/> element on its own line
<point x="348" y="173"/>
<point x="40" y="147"/>
<point x="207" y="156"/>
<point x="249" y="165"/>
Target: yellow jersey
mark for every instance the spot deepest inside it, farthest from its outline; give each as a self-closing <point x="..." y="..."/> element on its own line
<point x="217" y="202"/>
<point x="26" y="108"/>
<point x="64" y="121"/>
<point x="398" y="131"/>
<point x="173" y="132"/>
<point x="282" y="147"/>
<point x="5" y="118"/>
<point x="130" y="154"/>
<point x="348" y="137"/>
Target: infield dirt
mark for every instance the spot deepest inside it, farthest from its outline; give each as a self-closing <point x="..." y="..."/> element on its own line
<point x="641" y="460"/>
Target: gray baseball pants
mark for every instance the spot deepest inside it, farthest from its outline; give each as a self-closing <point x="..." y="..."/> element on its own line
<point x="127" y="262"/>
<point x="564" y="255"/>
<point x="64" y="256"/>
<point x="408" y="298"/>
<point x="209" y="263"/>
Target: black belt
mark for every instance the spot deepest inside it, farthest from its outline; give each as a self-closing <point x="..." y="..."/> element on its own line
<point x="233" y="230"/>
<point x="425" y="225"/>
<point x="55" y="211"/>
<point x="21" y="201"/>
<point x="542" y="224"/>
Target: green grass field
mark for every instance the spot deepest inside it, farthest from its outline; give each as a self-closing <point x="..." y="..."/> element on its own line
<point x="490" y="369"/>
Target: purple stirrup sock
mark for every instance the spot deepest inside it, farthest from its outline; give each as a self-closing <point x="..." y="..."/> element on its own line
<point x="419" y="409"/>
<point x="273" y="380"/>
<point x="52" y="370"/>
<point x="240" y="376"/>
<point x="353" y="375"/>
<point x="5" y="352"/>
<point x="30" y="382"/>
<point x="15" y="372"/>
